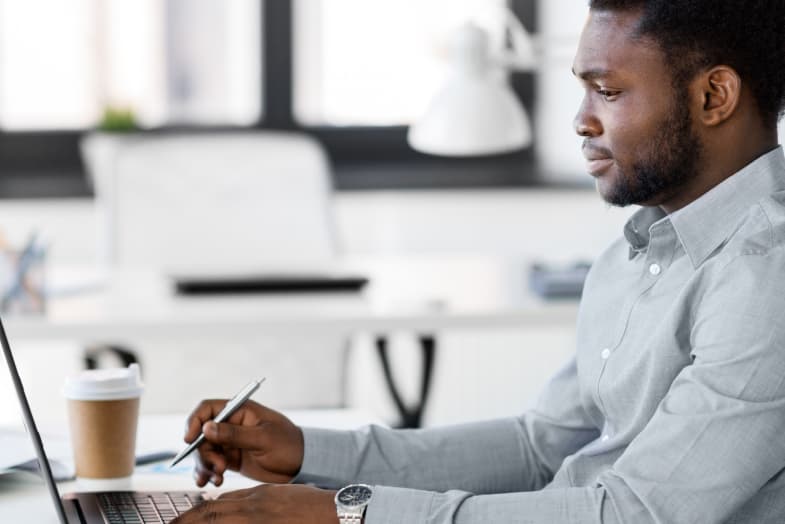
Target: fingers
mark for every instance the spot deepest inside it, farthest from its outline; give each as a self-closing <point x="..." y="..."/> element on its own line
<point x="206" y="410"/>
<point x="213" y="460"/>
<point x="210" y="466"/>
<point x="265" y="503"/>
<point x="230" y="435"/>
<point x="225" y="512"/>
<point x="201" y="478"/>
<point x="230" y="507"/>
<point x="250" y="414"/>
<point x="242" y="443"/>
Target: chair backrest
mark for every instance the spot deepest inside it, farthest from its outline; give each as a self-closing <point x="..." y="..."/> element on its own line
<point x="220" y="202"/>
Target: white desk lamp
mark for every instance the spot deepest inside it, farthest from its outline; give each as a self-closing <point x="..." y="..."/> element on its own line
<point x="476" y="112"/>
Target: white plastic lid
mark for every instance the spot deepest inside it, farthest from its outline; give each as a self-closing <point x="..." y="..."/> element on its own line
<point x="105" y="384"/>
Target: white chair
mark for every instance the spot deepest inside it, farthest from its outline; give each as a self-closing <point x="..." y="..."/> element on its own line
<point x="221" y="203"/>
<point x="225" y="202"/>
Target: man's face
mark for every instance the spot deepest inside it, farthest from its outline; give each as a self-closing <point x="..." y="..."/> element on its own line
<point x="639" y="140"/>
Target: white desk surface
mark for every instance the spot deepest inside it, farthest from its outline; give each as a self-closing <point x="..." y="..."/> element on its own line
<point x="23" y="497"/>
<point x="424" y="293"/>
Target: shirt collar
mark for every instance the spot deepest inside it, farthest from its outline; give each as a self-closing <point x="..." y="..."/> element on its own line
<point x="709" y="221"/>
<point x="638" y="228"/>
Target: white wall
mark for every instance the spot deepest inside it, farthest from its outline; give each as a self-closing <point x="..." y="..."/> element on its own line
<point x="557" y="225"/>
<point x="782" y="130"/>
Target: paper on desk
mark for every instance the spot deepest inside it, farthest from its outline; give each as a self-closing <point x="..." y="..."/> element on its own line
<point x="17" y="454"/>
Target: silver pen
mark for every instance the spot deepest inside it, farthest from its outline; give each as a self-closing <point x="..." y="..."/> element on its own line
<point x="230" y="407"/>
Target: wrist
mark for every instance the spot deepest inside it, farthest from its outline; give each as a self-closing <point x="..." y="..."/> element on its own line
<point x="292" y="462"/>
<point x="328" y="503"/>
<point x="300" y="451"/>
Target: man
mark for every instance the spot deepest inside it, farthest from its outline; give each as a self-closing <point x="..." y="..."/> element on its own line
<point x="673" y="410"/>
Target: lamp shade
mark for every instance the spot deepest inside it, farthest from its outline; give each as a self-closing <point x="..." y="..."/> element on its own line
<point x="476" y="112"/>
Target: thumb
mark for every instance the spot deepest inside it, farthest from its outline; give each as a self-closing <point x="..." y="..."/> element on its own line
<point x="232" y="435"/>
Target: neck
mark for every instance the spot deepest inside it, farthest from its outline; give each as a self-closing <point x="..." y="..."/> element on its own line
<point x="722" y="158"/>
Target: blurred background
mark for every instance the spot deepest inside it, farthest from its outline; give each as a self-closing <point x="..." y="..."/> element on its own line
<point x="98" y="102"/>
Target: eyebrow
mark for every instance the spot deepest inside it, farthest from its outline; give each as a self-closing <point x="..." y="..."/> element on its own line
<point x="592" y="74"/>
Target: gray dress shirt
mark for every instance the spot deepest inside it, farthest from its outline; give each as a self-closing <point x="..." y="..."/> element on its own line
<point x="672" y="411"/>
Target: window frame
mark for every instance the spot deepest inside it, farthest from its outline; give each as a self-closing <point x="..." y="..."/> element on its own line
<point x="48" y="164"/>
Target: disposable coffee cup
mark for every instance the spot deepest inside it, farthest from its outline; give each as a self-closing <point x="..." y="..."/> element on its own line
<point x="103" y="412"/>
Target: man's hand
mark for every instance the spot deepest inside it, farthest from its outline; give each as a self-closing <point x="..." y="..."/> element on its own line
<point x="256" y="441"/>
<point x="267" y="504"/>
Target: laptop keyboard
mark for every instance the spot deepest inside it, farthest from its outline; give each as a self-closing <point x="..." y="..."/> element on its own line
<point x="141" y="508"/>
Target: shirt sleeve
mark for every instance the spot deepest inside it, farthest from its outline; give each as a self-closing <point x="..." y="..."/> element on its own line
<point x="481" y="458"/>
<point x="501" y="456"/>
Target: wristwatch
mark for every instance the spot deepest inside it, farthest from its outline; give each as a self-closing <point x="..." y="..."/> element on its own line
<point x="351" y="501"/>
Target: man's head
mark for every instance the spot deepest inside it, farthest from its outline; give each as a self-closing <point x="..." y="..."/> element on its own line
<point x="671" y="82"/>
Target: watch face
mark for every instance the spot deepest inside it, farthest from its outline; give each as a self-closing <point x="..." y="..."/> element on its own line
<point x="354" y="495"/>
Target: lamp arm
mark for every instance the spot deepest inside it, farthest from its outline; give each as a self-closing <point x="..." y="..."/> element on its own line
<point x="521" y="55"/>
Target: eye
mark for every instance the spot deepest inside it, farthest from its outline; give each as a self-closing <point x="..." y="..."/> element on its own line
<point x="608" y="94"/>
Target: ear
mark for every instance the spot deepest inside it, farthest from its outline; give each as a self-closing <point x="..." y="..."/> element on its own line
<point x="720" y="90"/>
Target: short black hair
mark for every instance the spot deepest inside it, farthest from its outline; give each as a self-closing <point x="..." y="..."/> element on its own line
<point x="747" y="35"/>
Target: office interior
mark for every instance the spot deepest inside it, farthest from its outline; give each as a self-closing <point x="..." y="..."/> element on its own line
<point x="360" y="72"/>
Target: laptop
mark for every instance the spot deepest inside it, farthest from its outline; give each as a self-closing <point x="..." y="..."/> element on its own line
<point x="111" y="507"/>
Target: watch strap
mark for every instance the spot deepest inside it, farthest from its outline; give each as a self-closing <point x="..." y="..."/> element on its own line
<point x="350" y="518"/>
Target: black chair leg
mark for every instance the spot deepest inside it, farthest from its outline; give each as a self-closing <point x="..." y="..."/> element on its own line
<point x="410" y="417"/>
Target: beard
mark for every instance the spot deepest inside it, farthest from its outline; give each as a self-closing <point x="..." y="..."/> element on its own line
<point x="665" y="165"/>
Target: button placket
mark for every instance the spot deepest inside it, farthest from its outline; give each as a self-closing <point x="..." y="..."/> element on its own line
<point x="662" y="245"/>
<point x="604" y="356"/>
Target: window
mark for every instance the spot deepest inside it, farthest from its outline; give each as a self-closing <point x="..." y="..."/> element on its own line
<point x="381" y="71"/>
<point x="46" y="80"/>
<point x="213" y="57"/>
<point x="171" y="62"/>
<point x="363" y="70"/>
<point x="560" y="94"/>
<point x="351" y="72"/>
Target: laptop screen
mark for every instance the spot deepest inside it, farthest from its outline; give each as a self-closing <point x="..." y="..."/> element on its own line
<point x="18" y="488"/>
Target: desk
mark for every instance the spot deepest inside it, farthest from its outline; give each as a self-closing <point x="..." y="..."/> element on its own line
<point x="24" y="499"/>
<point x="422" y="296"/>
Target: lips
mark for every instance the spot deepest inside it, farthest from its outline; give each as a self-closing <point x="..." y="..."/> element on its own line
<point x="598" y="166"/>
<point x="597" y="161"/>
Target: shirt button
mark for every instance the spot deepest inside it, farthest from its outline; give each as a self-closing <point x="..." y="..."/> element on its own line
<point x="655" y="269"/>
<point x="605" y="438"/>
<point x="605" y="353"/>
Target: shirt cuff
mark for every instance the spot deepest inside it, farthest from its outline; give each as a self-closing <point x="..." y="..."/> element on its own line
<point x="329" y="458"/>
<point x="395" y="505"/>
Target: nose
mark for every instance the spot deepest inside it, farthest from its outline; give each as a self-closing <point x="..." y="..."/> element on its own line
<point x="586" y="123"/>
